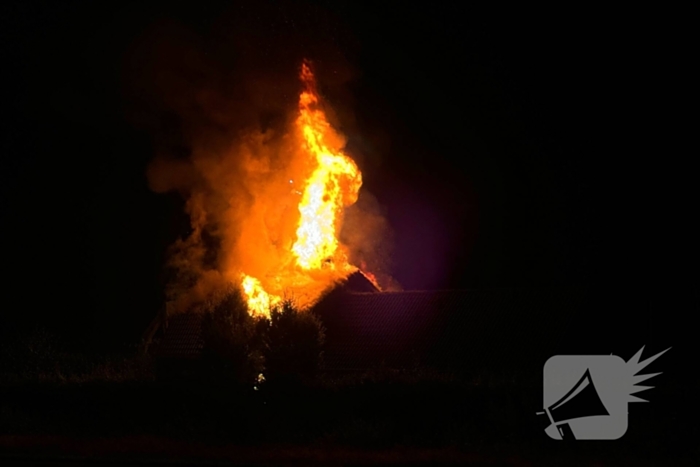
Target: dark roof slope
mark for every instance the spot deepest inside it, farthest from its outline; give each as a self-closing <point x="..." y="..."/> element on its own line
<point x="445" y="328"/>
<point x="357" y="282"/>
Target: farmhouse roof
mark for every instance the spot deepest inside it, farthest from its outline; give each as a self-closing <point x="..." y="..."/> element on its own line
<point x="436" y="328"/>
<point x="450" y="327"/>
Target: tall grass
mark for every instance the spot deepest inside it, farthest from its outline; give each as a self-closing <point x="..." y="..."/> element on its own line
<point x="40" y="357"/>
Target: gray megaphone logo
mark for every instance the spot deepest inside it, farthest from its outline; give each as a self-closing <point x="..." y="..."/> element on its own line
<point x="586" y="396"/>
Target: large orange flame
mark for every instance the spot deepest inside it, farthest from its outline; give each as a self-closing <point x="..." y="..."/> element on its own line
<point x="333" y="184"/>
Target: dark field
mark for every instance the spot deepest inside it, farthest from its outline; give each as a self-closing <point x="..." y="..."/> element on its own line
<point x="383" y="417"/>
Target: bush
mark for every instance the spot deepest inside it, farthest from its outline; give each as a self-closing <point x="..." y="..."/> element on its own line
<point x="233" y="339"/>
<point x="30" y="357"/>
<point x="293" y="344"/>
<point x="40" y="357"/>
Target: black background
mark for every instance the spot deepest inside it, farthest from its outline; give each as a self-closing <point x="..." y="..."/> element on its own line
<point x="530" y="148"/>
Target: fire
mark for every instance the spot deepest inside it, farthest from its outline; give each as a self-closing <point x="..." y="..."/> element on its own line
<point x="372" y="278"/>
<point x="259" y="301"/>
<point x="334" y="183"/>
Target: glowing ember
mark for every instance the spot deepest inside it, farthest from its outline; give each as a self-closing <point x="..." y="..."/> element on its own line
<point x="334" y="183"/>
<point x="370" y="277"/>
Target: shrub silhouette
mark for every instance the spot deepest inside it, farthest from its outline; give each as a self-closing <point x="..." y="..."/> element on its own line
<point x="294" y="342"/>
<point x="233" y="339"/>
<point x="239" y="347"/>
<point x="42" y="356"/>
<point x="31" y="356"/>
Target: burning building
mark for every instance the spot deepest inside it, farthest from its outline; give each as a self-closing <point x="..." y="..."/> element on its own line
<point x="316" y="259"/>
<point x="267" y="212"/>
<point x="286" y="244"/>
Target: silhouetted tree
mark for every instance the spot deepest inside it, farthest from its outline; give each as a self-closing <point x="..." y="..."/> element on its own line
<point x="233" y="339"/>
<point x="294" y="342"/>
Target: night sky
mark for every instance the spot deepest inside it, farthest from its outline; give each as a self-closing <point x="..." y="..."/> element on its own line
<point x="507" y="152"/>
